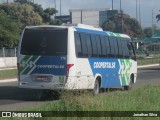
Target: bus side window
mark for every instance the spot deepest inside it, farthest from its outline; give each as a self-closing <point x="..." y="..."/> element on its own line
<point x="94" y="46"/>
<point x="104" y="49"/>
<point x="89" y="46"/>
<point x="116" y="47"/>
<point x="120" y="48"/>
<point x="78" y="45"/>
<point x="131" y="50"/>
<point x="84" y="45"/>
<point x="125" y="49"/>
<point x="98" y="42"/>
<point x="108" y="46"/>
<point x="111" y="39"/>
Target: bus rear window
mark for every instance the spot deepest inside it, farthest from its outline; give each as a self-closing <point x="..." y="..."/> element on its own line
<point x="44" y="42"/>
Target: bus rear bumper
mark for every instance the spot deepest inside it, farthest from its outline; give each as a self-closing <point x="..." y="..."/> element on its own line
<point x="48" y="86"/>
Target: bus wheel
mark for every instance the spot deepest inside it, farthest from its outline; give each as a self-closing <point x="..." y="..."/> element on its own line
<point x="96" y="88"/>
<point x="129" y="87"/>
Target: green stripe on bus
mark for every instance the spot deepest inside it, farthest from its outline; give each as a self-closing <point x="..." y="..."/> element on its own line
<point x="25" y="59"/>
<point x="117" y="35"/>
<point x="123" y="76"/>
<point x="28" y="67"/>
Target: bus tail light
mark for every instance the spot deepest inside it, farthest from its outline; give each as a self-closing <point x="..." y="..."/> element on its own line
<point x="18" y="68"/>
<point x="68" y="68"/>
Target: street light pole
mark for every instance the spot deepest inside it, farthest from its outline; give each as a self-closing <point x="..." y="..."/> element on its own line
<point x="136" y="11"/>
<point x="112" y="4"/>
<point x="121" y="17"/>
<point x="55" y="6"/>
<point x="140" y="12"/>
<point x="60" y="7"/>
<point x="120" y="5"/>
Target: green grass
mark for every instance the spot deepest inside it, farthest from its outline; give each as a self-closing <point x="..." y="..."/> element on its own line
<point x="7" y="74"/>
<point x="149" y="61"/>
<point x="142" y="99"/>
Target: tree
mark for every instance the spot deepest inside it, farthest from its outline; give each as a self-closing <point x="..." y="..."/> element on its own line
<point x="21" y="1"/>
<point x="158" y="17"/>
<point x="22" y="13"/>
<point x="130" y="26"/>
<point x="110" y="25"/>
<point x="9" y="31"/>
<point x="148" y="32"/>
<point x="45" y="14"/>
<point x="55" y="22"/>
<point x="48" y="13"/>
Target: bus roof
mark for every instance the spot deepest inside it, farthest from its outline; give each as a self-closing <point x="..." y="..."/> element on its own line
<point x="83" y="28"/>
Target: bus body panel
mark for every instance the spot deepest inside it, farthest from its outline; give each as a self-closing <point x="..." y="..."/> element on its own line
<point x="39" y="70"/>
<point x="42" y="70"/>
<point x="72" y="72"/>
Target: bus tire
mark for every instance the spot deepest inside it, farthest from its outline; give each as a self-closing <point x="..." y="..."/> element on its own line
<point x="96" y="88"/>
<point x="129" y="87"/>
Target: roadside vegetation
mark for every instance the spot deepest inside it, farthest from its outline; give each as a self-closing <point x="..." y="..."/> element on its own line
<point x="141" y="99"/>
<point x="7" y="74"/>
<point x="14" y="16"/>
<point x="148" y="61"/>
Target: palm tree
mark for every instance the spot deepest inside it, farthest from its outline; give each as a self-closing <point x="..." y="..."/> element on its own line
<point x="158" y="17"/>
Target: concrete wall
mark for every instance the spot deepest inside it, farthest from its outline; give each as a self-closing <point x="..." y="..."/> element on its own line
<point x="8" y="62"/>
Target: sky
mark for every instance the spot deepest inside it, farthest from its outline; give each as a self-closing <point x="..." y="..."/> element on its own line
<point x="128" y="6"/>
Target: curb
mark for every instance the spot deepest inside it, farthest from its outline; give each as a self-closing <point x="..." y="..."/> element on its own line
<point x="144" y="66"/>
<point x="8" y="68"/>
<point x="8" y="80"/>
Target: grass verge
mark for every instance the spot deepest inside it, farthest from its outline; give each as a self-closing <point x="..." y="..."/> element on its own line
<point x="141" y="99"/>
<point x="7" y="74"/>
<point x="148" y="61"/>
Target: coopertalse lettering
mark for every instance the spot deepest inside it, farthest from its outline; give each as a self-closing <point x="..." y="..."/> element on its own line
<point x="104" y="64"/>
<point x="50" y="66"/>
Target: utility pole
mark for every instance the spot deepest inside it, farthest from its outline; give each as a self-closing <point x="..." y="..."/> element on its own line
<point x="136" y="11"/>
<point x="112" y="4"/>
<point x="55" y="6"/>
<point x="152" y="23"/>
<point x="121" y="17"/>
<point x="60" y="7"/>
<point x="140" y="12"/>
<point x="81" y="17"/>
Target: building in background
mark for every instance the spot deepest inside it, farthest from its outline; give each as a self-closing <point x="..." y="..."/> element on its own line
<point x="105" y="15"/>
<point x="64" y="18"/>
<point x="94" y="17"/>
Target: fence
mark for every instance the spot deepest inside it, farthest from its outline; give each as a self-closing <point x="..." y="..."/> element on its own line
<point x="8" y="52"/>
<point x="8" y="57"/>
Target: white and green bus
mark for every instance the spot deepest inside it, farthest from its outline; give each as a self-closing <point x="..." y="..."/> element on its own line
<point x="75" y="58"/>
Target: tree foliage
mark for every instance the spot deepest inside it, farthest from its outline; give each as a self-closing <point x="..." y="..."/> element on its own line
<point x="45" y="14"/>
<point x="148" y="32"/>
<point x="55" y="22"/>
<point x="9" y="31"/>
<point x="15" y="16"/>
<point x="158" y="17"/>
<point x="23" y="13"/>
<point x="130" y="26"/>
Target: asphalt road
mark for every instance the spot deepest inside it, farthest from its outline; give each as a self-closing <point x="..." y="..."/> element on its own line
<point x="12" y="98"/>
